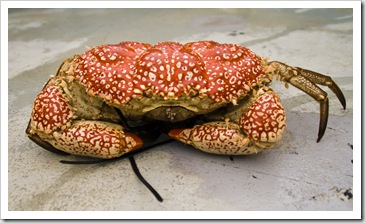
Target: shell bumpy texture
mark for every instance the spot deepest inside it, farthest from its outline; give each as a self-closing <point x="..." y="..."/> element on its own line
<point x="48" y="116"/>
<point x="169" y="71"/>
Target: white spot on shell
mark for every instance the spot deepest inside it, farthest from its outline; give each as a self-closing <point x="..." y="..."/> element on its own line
<point x="152" y="76"/>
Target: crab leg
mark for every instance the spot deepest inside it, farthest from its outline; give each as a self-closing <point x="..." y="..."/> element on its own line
<point x="324" y="80"/>
<point x="321" y="79"/>
<point x="319" y="95"/>
<point x="306" y="81"/>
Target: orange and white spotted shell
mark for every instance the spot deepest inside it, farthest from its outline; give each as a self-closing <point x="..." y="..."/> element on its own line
<point x="199" y="76"/>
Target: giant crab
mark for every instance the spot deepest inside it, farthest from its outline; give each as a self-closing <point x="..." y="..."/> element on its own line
<point x="216" y="97"/>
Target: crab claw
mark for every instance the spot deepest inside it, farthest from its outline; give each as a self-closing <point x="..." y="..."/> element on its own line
<point x="182" y="135"/>
<point x="95" y="139"/>
<point x="216" y="137"/>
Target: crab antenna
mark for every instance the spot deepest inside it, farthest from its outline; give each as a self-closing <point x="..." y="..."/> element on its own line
<point x="140" y="177"/>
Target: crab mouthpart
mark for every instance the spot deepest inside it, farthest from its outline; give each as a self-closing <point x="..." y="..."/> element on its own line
<point x="170" y="114"/>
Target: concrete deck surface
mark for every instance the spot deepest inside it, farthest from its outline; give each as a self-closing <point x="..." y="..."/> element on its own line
<point x="298" y="174"/>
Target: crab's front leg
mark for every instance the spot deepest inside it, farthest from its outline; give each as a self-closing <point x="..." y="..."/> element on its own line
<point x="55" y="127"/>
<point x="259" y="126"/>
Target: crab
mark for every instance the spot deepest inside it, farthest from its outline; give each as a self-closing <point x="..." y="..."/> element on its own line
<point x="114" y="98"/>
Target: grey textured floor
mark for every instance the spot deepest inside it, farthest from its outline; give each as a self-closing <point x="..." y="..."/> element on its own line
<point x="297" y="174"/>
